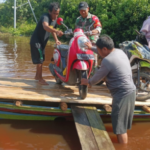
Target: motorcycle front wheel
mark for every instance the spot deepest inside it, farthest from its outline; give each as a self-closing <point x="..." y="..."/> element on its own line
<point x="143" y="91"/>
<point x="83" y="89"/>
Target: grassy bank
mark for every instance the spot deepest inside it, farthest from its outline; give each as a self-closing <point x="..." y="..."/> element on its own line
<point x="26" y="30"/>
<point x="119" y="18"/>
<point x="23" y="29"/>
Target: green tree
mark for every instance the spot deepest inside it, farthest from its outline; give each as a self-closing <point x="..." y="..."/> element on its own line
<point x="119" y="18"/>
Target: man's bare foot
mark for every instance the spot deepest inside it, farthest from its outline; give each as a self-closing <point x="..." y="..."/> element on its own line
<point x="43" y="82"/>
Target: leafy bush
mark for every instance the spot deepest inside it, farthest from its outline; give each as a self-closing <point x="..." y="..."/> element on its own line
<point x="23" y="29"/>
<point x="119" y="18"/>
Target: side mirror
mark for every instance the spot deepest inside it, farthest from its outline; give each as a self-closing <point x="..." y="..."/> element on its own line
<point x="59" y="21"/>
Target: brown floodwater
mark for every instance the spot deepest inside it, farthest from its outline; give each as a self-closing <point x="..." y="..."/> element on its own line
<point x="15" y="60"/>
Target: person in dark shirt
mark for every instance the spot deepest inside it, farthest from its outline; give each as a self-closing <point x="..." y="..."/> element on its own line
<point x="45" y="26"/>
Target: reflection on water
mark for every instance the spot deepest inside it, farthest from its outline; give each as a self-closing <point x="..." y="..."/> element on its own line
<point x="38" y="135"/>
<point x="61" y="135"/>
<point x="15" y="60"/>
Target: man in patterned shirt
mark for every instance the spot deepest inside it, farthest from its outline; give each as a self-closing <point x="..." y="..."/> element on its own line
<point x="85" y="21"/>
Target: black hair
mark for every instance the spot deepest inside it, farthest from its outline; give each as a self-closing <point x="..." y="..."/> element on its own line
<point x="54" y="6"/>
<point x="105" y="41"/>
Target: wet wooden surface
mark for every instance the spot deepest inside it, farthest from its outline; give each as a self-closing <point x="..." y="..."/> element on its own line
<point x="31" y="90"/>
<point x="101" y="136"/>
<point x="84" y="131"/>
<point x="90" y="129"/>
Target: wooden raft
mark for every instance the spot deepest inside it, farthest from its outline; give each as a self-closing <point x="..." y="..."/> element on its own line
<point x="90" y="128"/>
<point x="31" y="90"/>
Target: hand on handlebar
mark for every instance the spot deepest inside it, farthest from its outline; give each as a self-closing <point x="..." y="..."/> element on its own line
<point x="59" y="33"/>
<point x="85" y="82"/>
<point x="68" y="33"/>
<point x="88" y="44"/>
<point x="89" y="33"/>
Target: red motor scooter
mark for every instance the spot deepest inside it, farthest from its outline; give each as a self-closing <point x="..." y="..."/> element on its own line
<point x="75" y="58"/>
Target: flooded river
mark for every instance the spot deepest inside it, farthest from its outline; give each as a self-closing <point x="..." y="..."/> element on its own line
<point x="15" y="60"/>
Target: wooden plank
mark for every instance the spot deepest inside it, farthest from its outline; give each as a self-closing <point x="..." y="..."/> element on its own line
<point x="32" y="84"/>
<point x="30" y="90"/>
<point x="87" y="139"/>
<point x="103" y="140"/>
<point x="146" y="109"/>
<point x="107" y="108"/>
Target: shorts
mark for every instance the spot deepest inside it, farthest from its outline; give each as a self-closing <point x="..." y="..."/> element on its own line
<point x="37" y="53"/>
<point x="122" y="113"/>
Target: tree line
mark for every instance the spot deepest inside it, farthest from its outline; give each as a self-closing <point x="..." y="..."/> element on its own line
<point x="119" y="18"/>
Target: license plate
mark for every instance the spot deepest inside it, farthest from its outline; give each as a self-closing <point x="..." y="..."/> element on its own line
<point x="85" y="57"/>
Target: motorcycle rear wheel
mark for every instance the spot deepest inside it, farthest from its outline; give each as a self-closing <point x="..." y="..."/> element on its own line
<point x="58" y="81"/>
<point x="83" y="89"/>
<point x="143" y="91"/>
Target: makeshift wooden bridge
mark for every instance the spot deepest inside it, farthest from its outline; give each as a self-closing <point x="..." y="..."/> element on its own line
<point x="31" y="90"/>
<point x="90" y="128"/>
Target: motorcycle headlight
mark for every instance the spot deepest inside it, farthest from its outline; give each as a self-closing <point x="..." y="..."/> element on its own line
<point x="81" y="43"/>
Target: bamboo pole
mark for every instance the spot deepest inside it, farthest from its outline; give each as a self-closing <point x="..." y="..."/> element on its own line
<point x="15" y="14"/>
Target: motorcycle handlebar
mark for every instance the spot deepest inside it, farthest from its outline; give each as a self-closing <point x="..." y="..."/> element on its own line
<point x="70" y="33"/>
<point x="86" y="32"/>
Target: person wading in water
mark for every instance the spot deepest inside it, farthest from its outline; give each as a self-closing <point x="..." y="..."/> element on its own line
<point x="116" y="68"/>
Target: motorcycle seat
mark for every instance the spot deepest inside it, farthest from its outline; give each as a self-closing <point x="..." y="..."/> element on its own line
<point x="63" y="50"/>
<point x="63" y="47"/>
<point x="147" y="48"/>
<point x="63" y="53"/>
<point x="137" y="57"/>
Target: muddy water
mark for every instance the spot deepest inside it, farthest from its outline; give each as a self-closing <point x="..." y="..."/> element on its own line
<point x="15" y="60"/>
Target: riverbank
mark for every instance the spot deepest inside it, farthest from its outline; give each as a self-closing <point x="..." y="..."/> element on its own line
<point x="23" y="29"/>
<point x="11" y="32"/>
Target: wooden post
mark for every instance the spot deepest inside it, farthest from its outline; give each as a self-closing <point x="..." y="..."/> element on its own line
<point x="18" y="103"/>
<point x="107" y="108"/>
<point x="63" y="106"/>
<point x="15" y="14"/>
<point x="146" y="108"/>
